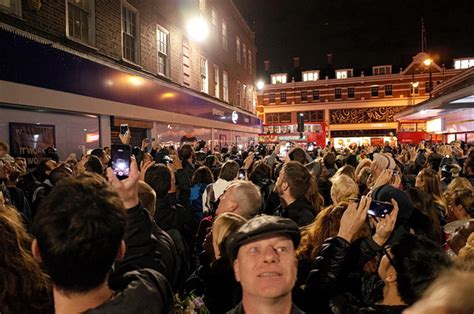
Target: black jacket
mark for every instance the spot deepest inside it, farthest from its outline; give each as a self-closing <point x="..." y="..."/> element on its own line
<point x="147" y="247"/>
<point x="332" y="275"/>
<point x="300" y="211"/>
<point x="144" y="291"/>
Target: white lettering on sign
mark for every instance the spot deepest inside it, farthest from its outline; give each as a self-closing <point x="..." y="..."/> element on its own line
<point x="235" y="116"/>
<point x="217" y="112"/>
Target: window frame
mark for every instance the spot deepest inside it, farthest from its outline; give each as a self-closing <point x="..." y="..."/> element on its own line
<point x="349" y="96"/>
<point x="388" y="87"/>
<point x="128" y="6"/>
<point x="90" y="20"/>
<point x="203" y="75"/>
<point x="283" y="97"/>
<point x="225" y="86"/>
<point x="217" y="84"/>
<point x="224" y="35"/>
<point x="316" y="92"/>
<point x="161" y="29"/>
<point x="15" y="9"/>
<point x="374" y="88"/>
<point x="337" y="93"/>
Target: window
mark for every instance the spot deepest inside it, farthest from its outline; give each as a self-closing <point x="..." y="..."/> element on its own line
<point x="374" y="91"/>
<point x="283" y="96"/>
<point x="310" y="76"/>
<point x="215" y="31"/>
<point x="285" y="117"/>
<point x="382" y="70"/>
<point x="337" y="93"/>
<point x="11" y="6"/>
<point x="343" y="73"/>
<point x="388" y="90"/>
<point x="224" y="35"/>
<point x="186" y="63"/>
<point x="202" y="5"/>
<point x="80" y="20"/>
<point x="315" y="95"/>
<point x="271" y="118"/>
<point x="238" y="94"/>
<point x="163" y="50"/>
<point x="250" y="99"/>
<point x="414" y="88"/>
<point x="304" y="95"/>
<point x="408" y="127"/>
<point x="250" y="61"/>
<point x="204" y="78"/>
<point x="244" y="96"/>
<point x="271" y="98"/>
<point x="225" y="86"/>
<point x="278" y="78"/>
<point x="317" y="116"/>
<point x="463" y="63"/>
<point x="237" y="48"/>
<point x="421" y="126"/>
<point x="244" y="55"/>
<point x="216" y="81"/>
<point x="350" y="92"/>
<point x="129" y="32"/>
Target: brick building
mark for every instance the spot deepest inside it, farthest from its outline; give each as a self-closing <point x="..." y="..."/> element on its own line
<point x="347" y="105"/>
<point x="84" y="67"/>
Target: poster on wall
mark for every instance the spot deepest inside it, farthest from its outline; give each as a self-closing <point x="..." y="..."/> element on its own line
<point x="30" y="140"/>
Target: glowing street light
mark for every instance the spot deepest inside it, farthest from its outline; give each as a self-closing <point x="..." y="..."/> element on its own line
<point x="427" y="62"/>
<point x="260" y="85"/>
<point x="197" y="29"/>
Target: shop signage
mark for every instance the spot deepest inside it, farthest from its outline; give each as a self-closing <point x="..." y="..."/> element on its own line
<point x="235" y="116"/>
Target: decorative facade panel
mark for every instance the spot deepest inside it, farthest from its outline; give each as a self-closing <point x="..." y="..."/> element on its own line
<point x="363" y="115"/>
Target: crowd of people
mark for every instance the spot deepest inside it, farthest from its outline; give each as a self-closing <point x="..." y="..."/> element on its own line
<point x="266" y="229"/>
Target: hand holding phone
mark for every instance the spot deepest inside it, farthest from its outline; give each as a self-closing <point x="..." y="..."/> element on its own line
<point x="379" y="209"/>
<point x="242" y="174"/>
<point x="121" y="161"/>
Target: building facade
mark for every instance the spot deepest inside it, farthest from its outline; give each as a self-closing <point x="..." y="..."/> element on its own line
<point x="348" y="107"/>
<point x="79" y="69"/>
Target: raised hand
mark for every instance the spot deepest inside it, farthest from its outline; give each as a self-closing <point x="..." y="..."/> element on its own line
<point x="353" y="218"/>
<point x="384" y="226"/>
<point x="127" y="188"/>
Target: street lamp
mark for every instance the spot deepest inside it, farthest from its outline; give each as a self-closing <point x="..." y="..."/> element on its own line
<point x="428" y="63"/>
<point x="260" y="85"/>
<point x="197" y="28"/>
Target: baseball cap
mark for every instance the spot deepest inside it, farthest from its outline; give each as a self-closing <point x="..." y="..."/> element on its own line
<point x="259" y="227"/>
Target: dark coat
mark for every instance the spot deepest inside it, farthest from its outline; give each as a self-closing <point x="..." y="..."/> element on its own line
<point x="300" y="211"/>
<point x="144" y="291"/>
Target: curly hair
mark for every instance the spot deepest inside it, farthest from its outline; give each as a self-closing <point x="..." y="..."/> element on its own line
<point x="325" y="225"/>
<point x="23" y="278"/>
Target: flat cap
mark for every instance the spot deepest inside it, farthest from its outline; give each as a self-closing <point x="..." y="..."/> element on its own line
<point x="259" y="227"/>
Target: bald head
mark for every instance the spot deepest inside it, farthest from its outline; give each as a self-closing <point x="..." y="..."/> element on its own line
<point x="241" y="197"/>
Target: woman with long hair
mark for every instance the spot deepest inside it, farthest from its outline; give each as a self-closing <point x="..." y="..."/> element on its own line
<point x="25" y="287"/>
<point x="429" y="181"/>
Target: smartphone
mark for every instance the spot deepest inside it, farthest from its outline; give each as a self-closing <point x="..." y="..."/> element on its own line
<point x="123" y="129"/>
<point x="242" y="174"/>
<point x="283" y="151"/>
<point x="310" y="147"/>
<point x="121" y="161"/>
<point x="380" y="209"/>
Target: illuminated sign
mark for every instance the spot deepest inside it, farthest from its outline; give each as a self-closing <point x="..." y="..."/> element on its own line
<point x="235" y="116"/>
<point x="92" y="137"/>
<point x="436" y="125"/>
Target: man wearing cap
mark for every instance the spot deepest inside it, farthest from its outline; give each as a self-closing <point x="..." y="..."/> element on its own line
<point x="264" y="261"/>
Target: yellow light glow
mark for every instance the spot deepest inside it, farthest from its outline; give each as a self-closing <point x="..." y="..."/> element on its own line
<point x="168" y="95"/>
<point x="260" y="85"/>
<point x="197" y="29"/>
<point x="415" y="84"/>
<point x="435" y="125"/>
<point x="135" y="80"/>
<point x="427" y="62"/>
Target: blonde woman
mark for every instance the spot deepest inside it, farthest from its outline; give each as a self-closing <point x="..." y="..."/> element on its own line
<point x="343" y="188"/>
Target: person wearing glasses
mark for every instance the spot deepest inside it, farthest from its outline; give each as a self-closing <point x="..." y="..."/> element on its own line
<point x="405" y="270"/>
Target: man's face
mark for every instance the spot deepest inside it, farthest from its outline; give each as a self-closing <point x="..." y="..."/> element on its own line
<point x="267" y="267"/>
<point x="226" y="201"/>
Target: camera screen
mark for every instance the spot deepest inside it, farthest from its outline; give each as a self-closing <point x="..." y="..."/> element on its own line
<point x="123" y="128"/>
<point x="380" y="209"/>
<point x="121" y="161"/>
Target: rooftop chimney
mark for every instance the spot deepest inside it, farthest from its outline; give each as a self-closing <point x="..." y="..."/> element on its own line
<point x="267" y="64"/>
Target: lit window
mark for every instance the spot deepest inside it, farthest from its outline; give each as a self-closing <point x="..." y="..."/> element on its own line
<point x="163" y="50"/>
<point x="463" y="63"/>
<point x="225" y="86"/>
<point x="244" y="96"/>
<point x="80" y="20"/>
<point x="204" y="78"/>
<point x="129" y="32"/>
<point x="214" y="23"/>
<point x="237" y="47"/>
<point x="278" y="78"/>
<point x="238" y="93"/>
<point x="344" y="73"/>
<point x="11" y="6"/>
<point x="244" y="55"/>
<point x="186" y="63"/>
<point x="216" y="81"/>
<point x="310" y="76"/>
<point x="224" y="35"/>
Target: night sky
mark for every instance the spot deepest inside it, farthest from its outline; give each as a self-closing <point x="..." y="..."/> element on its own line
<point x="359" y="33"/>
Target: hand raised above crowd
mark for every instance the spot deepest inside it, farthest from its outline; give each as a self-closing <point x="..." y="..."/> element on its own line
<point x="127" y="188"/>
<point x="384" y="226"/>
<point x="353" y="218"/>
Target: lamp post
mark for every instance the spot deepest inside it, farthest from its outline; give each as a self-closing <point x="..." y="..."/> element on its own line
<point x="428" y="62"/>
